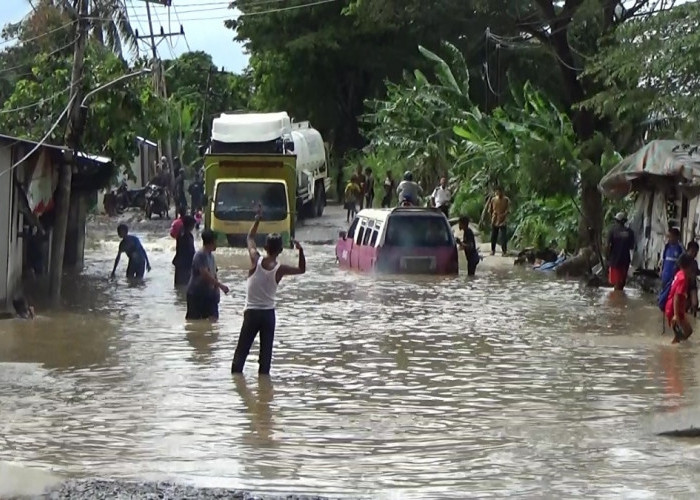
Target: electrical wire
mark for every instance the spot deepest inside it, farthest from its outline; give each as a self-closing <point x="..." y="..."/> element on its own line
<point x="177" y="16"/>
<point x="47" y="33"/>
<point x="138" y="21"/>
<point x="500" y="41"/>
<point x="39" y="102"/>
<point x="43" y="139"/>
<point x="257" y="13"/>
<point x="60" y="49"/>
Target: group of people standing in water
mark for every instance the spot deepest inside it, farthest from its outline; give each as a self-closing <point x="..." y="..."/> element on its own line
<point x="678" y="297"/>
<point x="197" y="270"/>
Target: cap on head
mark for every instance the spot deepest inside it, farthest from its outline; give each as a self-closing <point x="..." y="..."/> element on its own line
<point x="274" y="244"/>
<point x="621" y="217"/>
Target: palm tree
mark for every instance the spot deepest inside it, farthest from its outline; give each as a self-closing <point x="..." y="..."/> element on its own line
<point x="109" y="20"/>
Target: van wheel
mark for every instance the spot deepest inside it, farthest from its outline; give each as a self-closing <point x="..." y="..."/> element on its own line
<point x="319" y="199"/>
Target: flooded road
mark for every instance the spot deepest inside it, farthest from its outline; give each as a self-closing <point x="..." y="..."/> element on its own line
<point x="511" y="384"/>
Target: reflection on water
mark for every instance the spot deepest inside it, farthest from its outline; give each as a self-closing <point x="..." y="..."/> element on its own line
<point x="508" y="384"/>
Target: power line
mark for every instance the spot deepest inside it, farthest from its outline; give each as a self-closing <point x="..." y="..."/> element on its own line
<point x="258" y="13"/>
<point x="47" y="33"/>
<point x="31" y="63"/>
<point x="177" y="16"/>
<point x="43" y="139"/>
<point x="40" y="101"/>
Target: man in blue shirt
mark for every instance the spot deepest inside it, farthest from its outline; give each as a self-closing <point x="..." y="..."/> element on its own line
<point x="672" y="251"/>
<point x="131" y="246"/>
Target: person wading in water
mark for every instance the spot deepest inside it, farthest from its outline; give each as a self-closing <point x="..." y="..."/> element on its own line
<point x="259" y="314"/>
<point x="184" y="252"/>
<point x="203" y="290"/>
<point x="620" y="245"/>
<point x="138" y="258"/>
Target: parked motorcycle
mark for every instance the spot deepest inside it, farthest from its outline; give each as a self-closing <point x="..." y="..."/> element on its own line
<point x="156" y="202"/>
<point x="130" y="198"/>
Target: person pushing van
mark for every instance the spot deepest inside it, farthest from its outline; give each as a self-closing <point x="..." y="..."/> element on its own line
<point x="261" y="287"/>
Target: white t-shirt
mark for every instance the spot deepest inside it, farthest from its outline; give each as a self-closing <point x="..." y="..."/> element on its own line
<point x="441" y="196"/>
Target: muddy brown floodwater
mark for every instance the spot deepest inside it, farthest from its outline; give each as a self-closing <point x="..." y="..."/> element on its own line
<point x="510" y="384"/>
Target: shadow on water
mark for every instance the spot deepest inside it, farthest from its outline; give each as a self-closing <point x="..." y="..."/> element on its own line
<point x="511" y="383"/>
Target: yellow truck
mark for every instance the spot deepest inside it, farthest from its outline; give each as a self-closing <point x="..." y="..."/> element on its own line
<point x="263" y="159"/>
<point x="236" y="184"/>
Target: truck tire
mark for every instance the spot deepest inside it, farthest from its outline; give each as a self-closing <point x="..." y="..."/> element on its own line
<point x="319" y="199"/>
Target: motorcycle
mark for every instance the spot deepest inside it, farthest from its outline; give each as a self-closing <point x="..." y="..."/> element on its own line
<point x="156" y="202"/>
<point x="130" y="198"/>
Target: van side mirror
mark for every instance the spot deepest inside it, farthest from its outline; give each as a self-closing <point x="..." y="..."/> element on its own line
<point x="343" y="235"/>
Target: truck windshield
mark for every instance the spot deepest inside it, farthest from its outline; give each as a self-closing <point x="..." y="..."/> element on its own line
<point x="236" y="201"/>
<point x="418" y="231"/>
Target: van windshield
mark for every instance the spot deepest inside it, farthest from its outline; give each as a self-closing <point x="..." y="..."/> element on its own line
<point x="238" y="201"/>
<point x="418" y="231"/>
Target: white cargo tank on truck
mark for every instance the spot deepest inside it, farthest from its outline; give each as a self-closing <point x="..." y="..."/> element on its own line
<point x="274" y="133"/>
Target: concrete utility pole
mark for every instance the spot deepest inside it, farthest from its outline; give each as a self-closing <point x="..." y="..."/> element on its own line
<point x="72" y="139"/>
<point x="158" y="75"/>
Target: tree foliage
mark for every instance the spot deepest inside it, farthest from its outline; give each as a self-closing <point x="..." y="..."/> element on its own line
<point x="115" y="116"/>
<point x="35" y="81"/>
<point x="194" y="104"/>
<point x="527" y="146"/>
<point x="322" y="62"/>
<point x="648" y="76"/>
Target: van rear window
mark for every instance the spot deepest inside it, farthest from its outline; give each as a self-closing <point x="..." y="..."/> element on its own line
<point x="418" y="231"/>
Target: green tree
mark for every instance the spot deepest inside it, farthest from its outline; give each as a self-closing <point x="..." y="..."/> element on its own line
<point x="115" y="116"/>
<point x="571" y="31"/>
<point x="196" y="84"/>
<point x="109" y="22"/>
<point x="322" y="62"/>
<point x="647" y="74"/>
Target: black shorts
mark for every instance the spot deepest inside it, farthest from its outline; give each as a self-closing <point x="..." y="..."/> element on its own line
<point x="136" y="268"/>
<point x="202" y="306"/>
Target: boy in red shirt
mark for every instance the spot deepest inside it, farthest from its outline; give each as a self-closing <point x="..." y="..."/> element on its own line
<point x="677" y="302"/>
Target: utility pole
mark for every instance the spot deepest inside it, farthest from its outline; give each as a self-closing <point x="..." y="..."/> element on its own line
<point x="72" y="139"/>
<point x="205" y="99"/>
<point x="158" y="75"/>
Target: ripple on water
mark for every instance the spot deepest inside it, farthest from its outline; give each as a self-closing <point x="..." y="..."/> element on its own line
<point x="506" y="385"/>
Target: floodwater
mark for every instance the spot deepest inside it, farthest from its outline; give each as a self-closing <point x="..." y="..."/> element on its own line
<point x="512" y="384"/>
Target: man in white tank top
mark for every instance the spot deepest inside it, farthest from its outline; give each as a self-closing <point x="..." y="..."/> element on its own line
<point x="259" y="314"/>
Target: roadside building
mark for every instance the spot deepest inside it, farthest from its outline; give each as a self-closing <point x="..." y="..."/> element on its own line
<point x="27" y="209"/>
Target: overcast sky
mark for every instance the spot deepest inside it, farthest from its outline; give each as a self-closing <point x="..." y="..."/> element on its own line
<point x="203" y="22"/>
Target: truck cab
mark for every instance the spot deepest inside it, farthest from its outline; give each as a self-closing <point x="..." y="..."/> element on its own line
<point x="234" y="206"/>
<point x="236" y="184"/>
